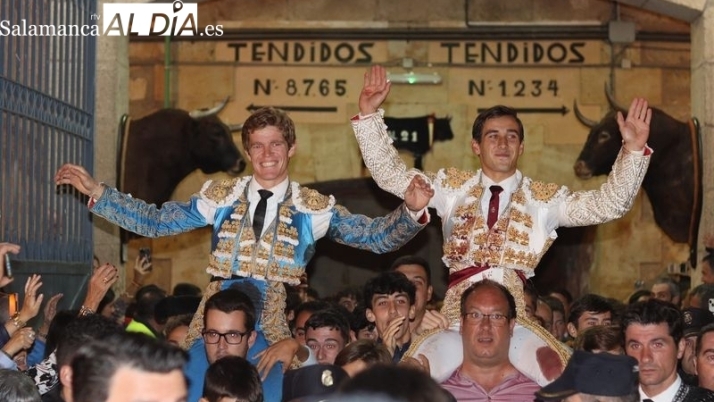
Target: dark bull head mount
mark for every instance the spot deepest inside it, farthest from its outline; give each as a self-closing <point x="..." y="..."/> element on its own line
<point x="156" y="152"/>
<point x="673" y="180"/>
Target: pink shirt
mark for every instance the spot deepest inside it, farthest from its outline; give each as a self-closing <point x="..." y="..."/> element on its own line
<point x="514" y="388"/>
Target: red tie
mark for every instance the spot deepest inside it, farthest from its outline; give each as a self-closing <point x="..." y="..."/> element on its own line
<point x="493" y="205"/>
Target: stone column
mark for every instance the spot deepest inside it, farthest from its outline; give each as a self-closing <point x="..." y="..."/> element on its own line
<point x="702" y="89"/>
<point x="112" y="100"/>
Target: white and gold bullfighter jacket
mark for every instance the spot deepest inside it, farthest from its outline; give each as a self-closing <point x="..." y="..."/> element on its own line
<point x="526" y="226"/>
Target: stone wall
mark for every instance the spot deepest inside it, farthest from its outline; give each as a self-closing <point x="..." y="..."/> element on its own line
<point x="628" y="250"/>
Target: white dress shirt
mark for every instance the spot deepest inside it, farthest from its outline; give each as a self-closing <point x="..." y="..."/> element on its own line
<point x="665" y="396"/>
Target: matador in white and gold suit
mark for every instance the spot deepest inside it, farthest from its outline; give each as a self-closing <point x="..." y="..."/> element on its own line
<point x="508" y="252"/>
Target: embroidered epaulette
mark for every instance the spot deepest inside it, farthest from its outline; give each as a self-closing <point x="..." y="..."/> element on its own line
<point x="430" y="175"/>
<point x="453" y="178"/>
<point x="544" y="192"/>
<point x="311" y="201"/>
<point x="223" y="192"/>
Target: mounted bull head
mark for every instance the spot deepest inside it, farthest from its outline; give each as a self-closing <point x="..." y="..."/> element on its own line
<point x="672" y="180"/>
<point x="161" y="149"/>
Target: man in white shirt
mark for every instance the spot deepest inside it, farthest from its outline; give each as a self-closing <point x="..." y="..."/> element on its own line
<point x="264" y="227"/>
<point x="653" y="335"/>
<point x="498" y="223"/>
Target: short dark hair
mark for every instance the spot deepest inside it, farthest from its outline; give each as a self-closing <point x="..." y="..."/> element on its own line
<point x="600" y="337"/>
<point x="81" y="330"/>
<point x="57" y="328"/>
<point x="554" y="303"/>
<point x="705" y="330"/>
<point x="230" y="300"/>
<point x="366" y="350"/>
<point x="491" y="284"/>
<point x="312" y="306"/>
<point x="147" y="297"/>
<point x="265" y="117"/>
<point x="413" y="260"/>
<point x="565" y="293"/>
<point x="186" y="289"/>
<point x="704" y="292"/>
<point x="492" y="113"/>
<point x="16" y="386"/>
<point x="330" y="318"/>
<point x="350" y="292"/>
<point x="529" y="289"/>
<point x="96" y="363"/>
<point x="639" y="293"/>
<point x="359" y="320"/>
<point x="232" y="377"/>
<point x="589" y="302"/>
<point x="655" y="312"/>
<point x="388" y="283"/>
<point x="106" y="300"/>
<point x="401" y="383"/>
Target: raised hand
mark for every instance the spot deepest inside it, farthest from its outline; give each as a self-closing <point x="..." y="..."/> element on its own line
<point x="102" y="279"/>
<point x="78" y="177"/>
<point x="418" y="194"/>
<point x="32" y="302"/>
<point x="374" y="90"/>
<point x="389" y="338"/>
<point x="635" y="129"/>
<point x="6" y="248"/>
<point x="432" y="320"/>
<point x="283" y="351"/>
<point x="49" y="312"/>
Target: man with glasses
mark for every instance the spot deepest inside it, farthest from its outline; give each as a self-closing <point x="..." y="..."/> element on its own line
<point x="229" y="330"/>
<point x="488" y="316"/>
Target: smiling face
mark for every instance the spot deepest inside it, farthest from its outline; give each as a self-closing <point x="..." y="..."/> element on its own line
<point x="269" y="153"/>
<point x="499" y="147"/>
<point x="657" y="354"/>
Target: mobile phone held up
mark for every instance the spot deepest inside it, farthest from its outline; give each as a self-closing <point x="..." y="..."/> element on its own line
<point x="8" y="266"/>
<point x="145" y="253"/>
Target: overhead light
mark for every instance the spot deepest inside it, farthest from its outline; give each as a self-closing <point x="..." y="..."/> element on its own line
<point x="414" y="78"/>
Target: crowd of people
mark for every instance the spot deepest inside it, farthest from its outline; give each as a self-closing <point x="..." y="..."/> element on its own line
<point x="257" y="334"/>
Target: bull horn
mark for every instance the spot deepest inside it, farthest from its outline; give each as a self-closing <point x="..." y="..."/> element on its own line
<point x="197" y="114"/>
<point x="587" y="122"/>
<point x="611" y="100"/>
<point x="235" y="127"/>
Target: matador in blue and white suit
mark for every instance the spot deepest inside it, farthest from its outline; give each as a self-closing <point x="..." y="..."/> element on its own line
<point x="285" y="247"/>
<point x="295" y="218"/>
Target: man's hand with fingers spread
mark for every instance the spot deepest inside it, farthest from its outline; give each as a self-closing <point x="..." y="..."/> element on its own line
<point x="432" y="320"/>
<point x="80" y="179"/>
<point x="374" y="90"/>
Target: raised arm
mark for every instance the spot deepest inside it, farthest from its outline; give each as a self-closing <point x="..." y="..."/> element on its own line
<point x="384" y="234"/>
<point x="616" y="196"/>
<point x="380" y="157"/>
<point x="133" y="214"/>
